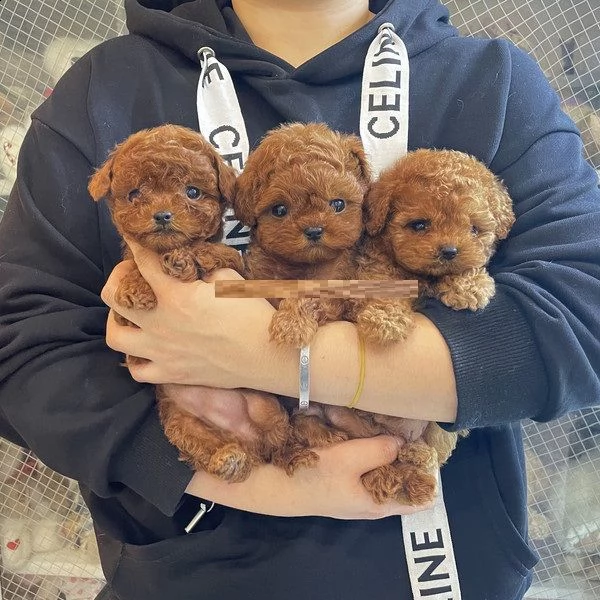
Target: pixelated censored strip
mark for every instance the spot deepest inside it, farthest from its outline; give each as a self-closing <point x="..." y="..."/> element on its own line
<point x="315" y="288"/>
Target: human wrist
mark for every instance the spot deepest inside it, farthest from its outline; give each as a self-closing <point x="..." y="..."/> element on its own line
<point x="335" y="363"/>
<point x="275" y="367"/>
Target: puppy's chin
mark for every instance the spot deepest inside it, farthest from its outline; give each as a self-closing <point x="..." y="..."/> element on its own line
<point x="161" y="241"/>
<point x="438" y="268"/>
<point x="317" y="253"/>
<point x="309" y="254"/>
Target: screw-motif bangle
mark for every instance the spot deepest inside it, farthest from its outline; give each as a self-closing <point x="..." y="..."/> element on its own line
<point x="304" y="372"/>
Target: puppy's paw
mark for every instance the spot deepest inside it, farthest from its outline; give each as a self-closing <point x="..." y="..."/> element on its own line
<point x="472" y="292"/>
<point x="381" y="325"/>
<point x="301" y="458"/>
<point x="419" y="455"/>
<point x="405" y="484"/>
<point x="419" y="487"/>
<point x="292" y="329"/>
<point x="382" y="483"/>
<point x="135" y="294"/>
<point x="230" y="463"/>
<point x="180" y="263"/>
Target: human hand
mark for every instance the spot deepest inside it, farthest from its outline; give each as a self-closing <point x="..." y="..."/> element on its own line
<point x="192" y="337"/>
<point x="332" y="488"/>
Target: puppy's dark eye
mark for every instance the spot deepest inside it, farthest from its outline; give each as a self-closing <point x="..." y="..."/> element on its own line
<point x="133" y="194"/>
<point x="419" y="224"/>
<point x="338" y="205"/>
<point x="193" y="193"/>
<point x="474" y="230"/>
<point x="279" y="210"/>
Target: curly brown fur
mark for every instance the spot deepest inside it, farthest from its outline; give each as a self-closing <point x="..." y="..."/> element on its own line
<point x="301" y="193"/>
<point x="435" y="216"/>
<point x="167" y="189"/>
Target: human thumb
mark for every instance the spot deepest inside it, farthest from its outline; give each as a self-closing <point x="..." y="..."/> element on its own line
<point x="365" y="454"/>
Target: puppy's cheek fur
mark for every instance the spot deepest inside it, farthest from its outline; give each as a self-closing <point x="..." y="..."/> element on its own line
<point x="280" y="236"/>
<point x="133" y="220"/>
<point x="202" y="220"/>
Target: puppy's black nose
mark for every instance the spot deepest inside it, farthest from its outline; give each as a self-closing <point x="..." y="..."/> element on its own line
<point x="163" y="218"/>
<point x="313" y="233"/>
<point x="448" y="252"/>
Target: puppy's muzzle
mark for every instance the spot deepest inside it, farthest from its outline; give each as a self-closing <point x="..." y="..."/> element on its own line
<point x="163" y="219"/>
<point x="448" y="252"/>
<point x="314" y="234"/>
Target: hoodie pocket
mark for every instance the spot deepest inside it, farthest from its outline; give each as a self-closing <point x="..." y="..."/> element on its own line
<point x="480" y="502"/>
<point x="511" y="540"/>
<point x="173" y="549"/>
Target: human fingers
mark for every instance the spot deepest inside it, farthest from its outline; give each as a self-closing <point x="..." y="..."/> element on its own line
<point x="111" y="286"/>
<point x="149" y="265"/>
<point x="222" y="275"/>
<point x="125" y="338"/>
<point x="346" y="463"/>
<point x="365" y="454"/>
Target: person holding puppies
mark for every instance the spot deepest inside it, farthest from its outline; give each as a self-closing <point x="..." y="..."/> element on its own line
<point x="532" y="352"/>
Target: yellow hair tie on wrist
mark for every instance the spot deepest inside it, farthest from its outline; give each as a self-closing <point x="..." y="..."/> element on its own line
<point x="361" y="373"/>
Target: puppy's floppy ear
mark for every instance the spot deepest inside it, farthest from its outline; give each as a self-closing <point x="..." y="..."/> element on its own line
<point x="501" y="208"/>
<point x="357" y="159"/>
<point x="376" y="207"/>
<point x="99" y="184"/>
<point x="243" y="199"/>
<point x="226" y="176"/>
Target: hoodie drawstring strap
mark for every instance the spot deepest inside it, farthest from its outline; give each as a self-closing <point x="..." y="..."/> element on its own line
<point x="221" y="122"/>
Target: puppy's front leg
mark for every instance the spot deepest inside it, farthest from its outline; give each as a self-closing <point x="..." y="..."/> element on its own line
<point x="473" y="289"/>
<point x="192" y="262"/>
<point x="384" y="321"/>
<point x="295" y="322"/>
<point x="211" y="256"/>
<point x="134" y="292"/>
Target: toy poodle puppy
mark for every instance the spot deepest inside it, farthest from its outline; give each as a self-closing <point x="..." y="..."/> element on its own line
<point x="302" y="193"/>
<point x="167" y="189"/>
<point x="434" y="216"/>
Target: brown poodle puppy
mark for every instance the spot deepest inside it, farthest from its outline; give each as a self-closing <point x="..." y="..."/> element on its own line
<point x="302" y="193"/>
<point x="434" y="216"/>
<point x="167" y="189"/>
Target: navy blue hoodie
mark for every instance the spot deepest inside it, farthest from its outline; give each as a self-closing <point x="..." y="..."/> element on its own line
<point x="533" y="353"/>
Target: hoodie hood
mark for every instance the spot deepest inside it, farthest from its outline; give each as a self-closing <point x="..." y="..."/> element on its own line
<point x="188" y="26"/>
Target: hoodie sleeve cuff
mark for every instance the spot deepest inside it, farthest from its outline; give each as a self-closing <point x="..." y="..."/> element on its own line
<point x="150" y="466"/>
<point x="500" y="376"/>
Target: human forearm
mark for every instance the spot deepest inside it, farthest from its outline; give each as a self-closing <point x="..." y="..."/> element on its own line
<point x="412" y="379"/>
<point x="333" y="488"/>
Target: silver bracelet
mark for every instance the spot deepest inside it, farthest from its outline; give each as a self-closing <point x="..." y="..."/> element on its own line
<point x="304" y="397"/>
